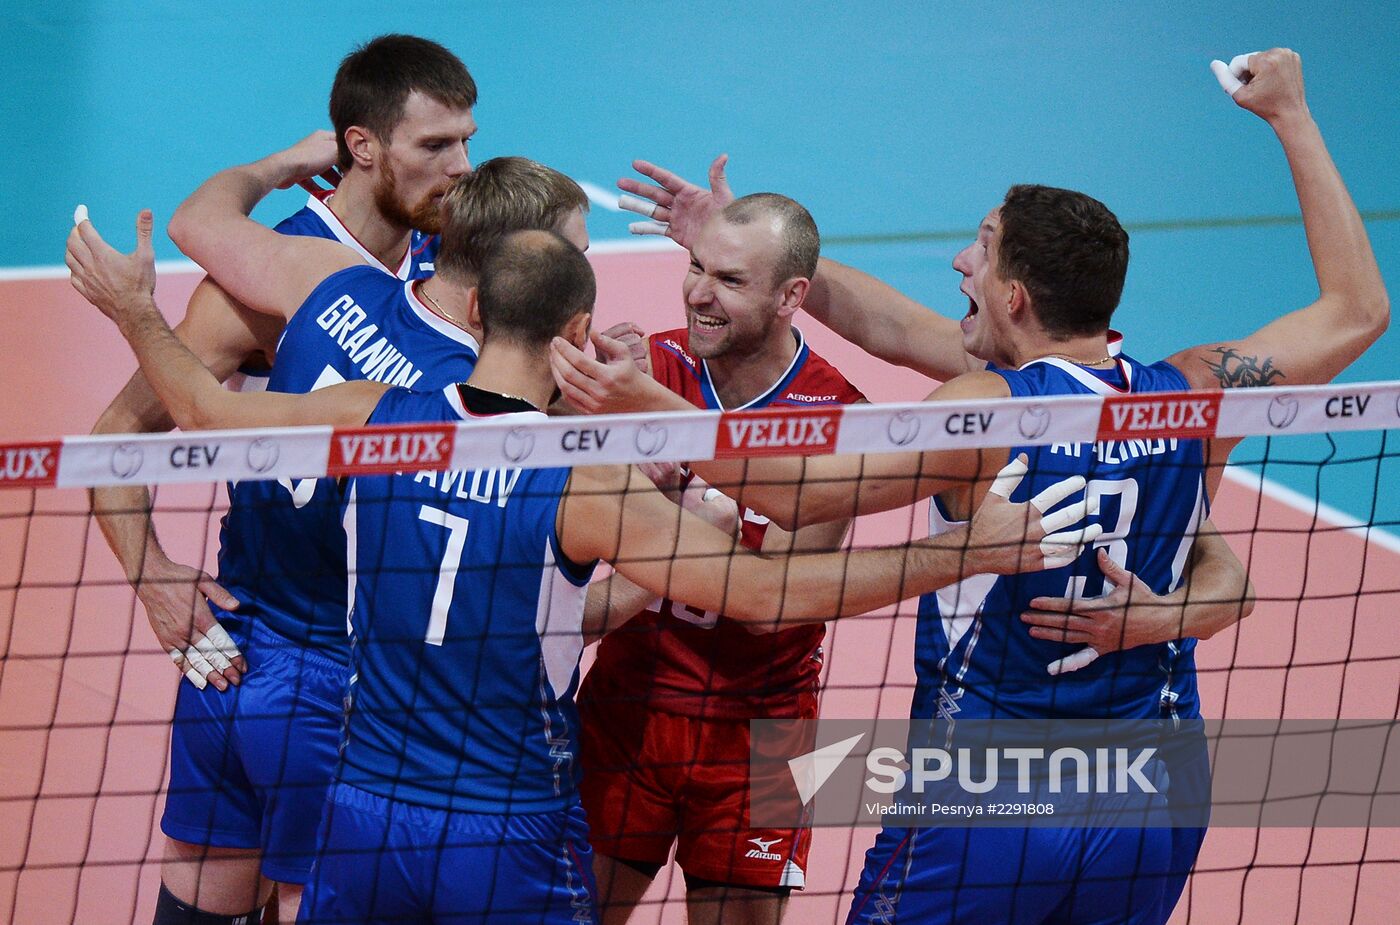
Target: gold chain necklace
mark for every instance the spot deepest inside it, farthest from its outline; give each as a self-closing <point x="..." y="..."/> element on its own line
<point x="423" y="289"/>
<point x="1063" y="356"/>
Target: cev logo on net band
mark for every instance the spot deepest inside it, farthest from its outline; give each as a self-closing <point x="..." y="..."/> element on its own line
<point x="650" y="439"/>
<point x="1034" y="422"/>
<point x="262" y="455"/>
<point x="903" y="428"/>
<point x="1283" y="411"/>
<point x="518" y="445"/>
<point x="126" y="460"/>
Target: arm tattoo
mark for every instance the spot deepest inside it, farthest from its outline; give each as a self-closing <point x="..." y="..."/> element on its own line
<point x="1241" y="372"/>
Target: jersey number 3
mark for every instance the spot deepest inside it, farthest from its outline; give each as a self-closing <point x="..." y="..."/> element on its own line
<point x="1115" y="538"/>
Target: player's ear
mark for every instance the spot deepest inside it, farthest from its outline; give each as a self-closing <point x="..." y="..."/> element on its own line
<point x="576" y="329"/>
<point x="794" y="293"/>
<point x="1018" y="299"/>
<point x="363" y="147"/>
<point x="474" y="309"/>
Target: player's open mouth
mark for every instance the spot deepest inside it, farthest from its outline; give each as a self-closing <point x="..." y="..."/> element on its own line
<point x="967" y="323"/>
<point x="707" y="324"/>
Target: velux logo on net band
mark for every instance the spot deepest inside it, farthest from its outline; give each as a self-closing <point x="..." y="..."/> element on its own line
<point x="30" y="465"/>
<point x="1178" y="414"/>
<point x="390" y="449"/>
<point x="776" y="433"/>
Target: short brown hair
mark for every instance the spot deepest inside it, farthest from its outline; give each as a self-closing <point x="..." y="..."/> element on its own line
<point x="532" y="284"/>
<point x="1070" y="253"/>
<point x="502" y="195"/>
<point x="374" y="82"/>
<point x="801" y="244"/>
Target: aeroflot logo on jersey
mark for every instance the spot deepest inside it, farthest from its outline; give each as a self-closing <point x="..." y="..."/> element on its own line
<point x="31" y="465"/>
<point x="390" y="449"/>
<point x="1178" y="414"/>
<point x="776" y="433"/>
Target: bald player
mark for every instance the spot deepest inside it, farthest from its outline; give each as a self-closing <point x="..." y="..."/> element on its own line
<point x="666" y="707"/>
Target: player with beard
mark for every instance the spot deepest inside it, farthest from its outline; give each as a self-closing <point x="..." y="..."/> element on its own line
<point x="402" y="111"/>
<point x="666" y="707"/>
<point x="250" y="767"/>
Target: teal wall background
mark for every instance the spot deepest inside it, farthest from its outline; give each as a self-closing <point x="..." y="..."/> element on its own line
<point x="882" y="118"/>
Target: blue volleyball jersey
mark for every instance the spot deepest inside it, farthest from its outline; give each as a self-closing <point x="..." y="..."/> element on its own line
<point x="282" y="545"/>
<point x="467" y="629"/>
<point x="976" y="659"/>
<point x="316" y="220"/>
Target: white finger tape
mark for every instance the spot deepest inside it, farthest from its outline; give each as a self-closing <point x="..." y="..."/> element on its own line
<point x="1081" y="659"/>
<point x="196" y="660"/>
<point x="80" y="214"/>
<point x="194" y="677"/>
<point x="637" y="204"/>
<point x="222" y="641"/>
<point x="1008" y="478"/>
<point x="648" y="228"/>
<point x="211" y="652"/>
<point x="1231" y="76"/>
<point x="1239" y="64"/>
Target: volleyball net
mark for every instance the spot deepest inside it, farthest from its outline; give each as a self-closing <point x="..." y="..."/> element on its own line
<point x="86" y="694"/>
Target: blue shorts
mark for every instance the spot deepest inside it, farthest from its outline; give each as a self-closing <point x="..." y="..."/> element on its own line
<point x="249" y="767"/>
<point x="1025" y="875"/>
<point x="384" y="860"/>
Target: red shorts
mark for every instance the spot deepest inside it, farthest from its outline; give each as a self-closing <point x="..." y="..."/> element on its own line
<point x="652" y="779"/>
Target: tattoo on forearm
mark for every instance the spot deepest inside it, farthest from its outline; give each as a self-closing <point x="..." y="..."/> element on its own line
<point x="1241" y="372"/>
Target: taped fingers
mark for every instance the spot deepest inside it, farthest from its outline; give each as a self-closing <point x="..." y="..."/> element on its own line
<point x="1080" y="659"/>
<point x="1064" y="517"/>
<point x="191" y="672"/>
<point x="1060" y="549"/>
<point x="1058" y="492"/>
<point x="1229" y="83"/>
<point x="637" y="204"/>
<point x="1239" y="64"/>
<point x="222" y="642"/>
<point x="648" y="228"/>
<point x="1231" y="77"/>
<point x="1009" y="477"/>
<point x="213" y="655"/>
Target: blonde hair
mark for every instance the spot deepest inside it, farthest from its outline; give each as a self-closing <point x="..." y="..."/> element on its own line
<point x="502" y="195"/>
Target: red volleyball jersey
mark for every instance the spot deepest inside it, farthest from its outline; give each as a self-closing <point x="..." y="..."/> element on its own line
<point x="679" y="659"/>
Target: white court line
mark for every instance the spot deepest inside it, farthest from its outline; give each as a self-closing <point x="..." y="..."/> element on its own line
<point x="21" y="274"/>
<point x="163" y="267"/>
<point x="600" y="196"/>
<point x="1312" y="507"/>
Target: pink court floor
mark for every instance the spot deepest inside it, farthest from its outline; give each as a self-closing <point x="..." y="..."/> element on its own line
<point x="86" y="695"/>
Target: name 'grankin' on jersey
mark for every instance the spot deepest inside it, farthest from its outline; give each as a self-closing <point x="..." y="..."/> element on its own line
<point x="377" y="358"/>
